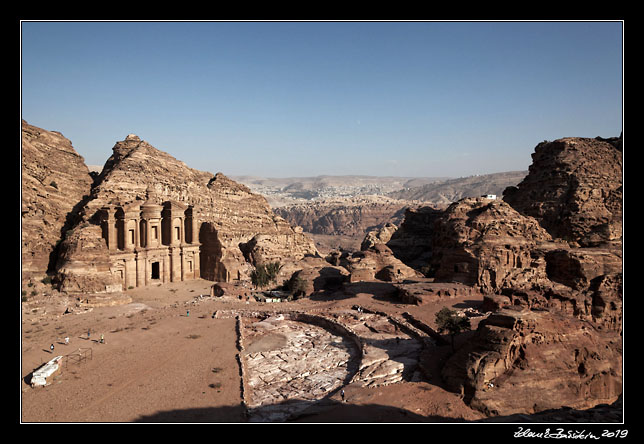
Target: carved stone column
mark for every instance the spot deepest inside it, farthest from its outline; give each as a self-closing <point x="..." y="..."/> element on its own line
<point x="108" y="225"/>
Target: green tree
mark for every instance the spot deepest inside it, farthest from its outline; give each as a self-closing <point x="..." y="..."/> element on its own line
<point x="264" y="274"/>
<point x="448" y="321"/>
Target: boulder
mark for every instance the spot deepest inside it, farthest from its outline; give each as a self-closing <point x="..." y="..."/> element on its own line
<point x="524" y="361"/>
<point x="380" y="235"/>
<point x="319" y="276"/>
<point x="376" y="263"/>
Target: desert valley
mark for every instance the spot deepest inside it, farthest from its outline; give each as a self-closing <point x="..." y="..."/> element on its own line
<point x="155" y="292"/>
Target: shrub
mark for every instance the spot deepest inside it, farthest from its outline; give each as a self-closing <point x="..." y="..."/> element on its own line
<point x="448" y="321"/>
<point x="264" y="274"/>
<point x="296" y="285"/>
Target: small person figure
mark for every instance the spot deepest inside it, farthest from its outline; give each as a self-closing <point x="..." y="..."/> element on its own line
<point x="67" y="340"/>
<point x="342" y="395"/>
<point x="88" y="333"/>
<point x="51" y="347"/>
<point x="188" y="313"/>
<point x="102" y="339"/>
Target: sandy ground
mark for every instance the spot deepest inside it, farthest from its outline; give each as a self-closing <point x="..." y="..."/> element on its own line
<point x="161" y="364"/>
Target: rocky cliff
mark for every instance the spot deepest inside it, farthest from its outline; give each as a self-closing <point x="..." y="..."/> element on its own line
<point x="55" y="180"/>
<point x="574" y="189"/>
<point x="350" y="217"/>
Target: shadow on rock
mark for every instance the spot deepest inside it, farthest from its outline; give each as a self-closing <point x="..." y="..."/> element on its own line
<point x="332" y="411"/>
<point x="312" y="412"/>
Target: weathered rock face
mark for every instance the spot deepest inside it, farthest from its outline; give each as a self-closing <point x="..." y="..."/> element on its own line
<point x="227" y="214"/>
<point x="376" y="263"/>
<point x="85" y="262"/>
<point x="511" y="260"/>
<point x="577" y="267"/>
<point x="318" y="275"/>
<point x="425" y="291"/>
<point x="600" y="303"/>
<point x="484" y="243"/>
<point x="264" y="248"/>
<point x="378" y="236"/>
<point x="54" y="180"/>
<point x="350" y="217"/>
<point x="574" y="190"/>
<point x="530" y="361"/>
<point x="412" y="242"/>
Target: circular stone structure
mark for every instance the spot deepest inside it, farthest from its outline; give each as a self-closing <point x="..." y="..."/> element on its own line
<point x="291" y="364"/>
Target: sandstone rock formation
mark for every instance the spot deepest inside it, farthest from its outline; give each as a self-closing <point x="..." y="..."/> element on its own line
<point x="412" y="242"/>
<point x="351" y="217"/>
<point x="419" y="291"/>
<point x="547" y="261"/>
<point x="54" y="180"/>
<point x="85" y="262"/>
<point x="376" y="263"/>
<point x="476" y="241"/>
<point x="485" y="243"/>
<point x="574" y="190"/>
<point x="378" y="236"/>
<point x="530" y="361"/>
<point x="230" y="218"/>
<point x="318" y="275"/>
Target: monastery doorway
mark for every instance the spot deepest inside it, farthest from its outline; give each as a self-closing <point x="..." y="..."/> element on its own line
<point x="209" y="252"/>
<point x="155" y="270"/>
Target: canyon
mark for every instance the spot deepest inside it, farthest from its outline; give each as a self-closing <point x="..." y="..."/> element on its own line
<point x="162" y="259"/>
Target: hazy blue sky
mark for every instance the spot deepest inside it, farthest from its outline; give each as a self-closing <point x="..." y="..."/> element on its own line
<point x="306" y="98"/>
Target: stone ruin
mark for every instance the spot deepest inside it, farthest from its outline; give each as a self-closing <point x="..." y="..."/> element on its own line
<point x="291" y="361"/>
<point x="45" y="374"/>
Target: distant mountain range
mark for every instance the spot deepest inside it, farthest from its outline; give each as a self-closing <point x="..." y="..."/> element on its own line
<point x="353" y="205"/>
<point x="452" y="190"/>
<point x="436" y="190"/>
